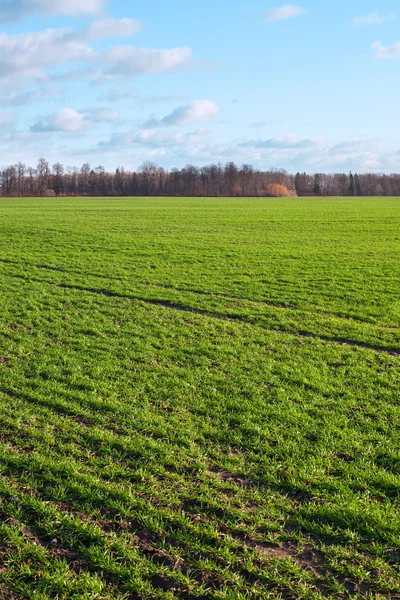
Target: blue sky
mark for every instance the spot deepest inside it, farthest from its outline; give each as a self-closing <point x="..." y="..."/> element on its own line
<point x="312" y="86"/>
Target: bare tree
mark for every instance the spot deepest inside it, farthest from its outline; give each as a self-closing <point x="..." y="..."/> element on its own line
<point x="43" y="174"/>
<point x="210" y="180"/>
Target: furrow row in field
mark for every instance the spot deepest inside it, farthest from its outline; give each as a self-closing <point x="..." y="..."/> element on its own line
<point x="199" y="399"/>
<point x="330" y="330"/>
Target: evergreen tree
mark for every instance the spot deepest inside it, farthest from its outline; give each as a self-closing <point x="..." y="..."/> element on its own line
<point x="297" y="185"/>
<point x="351" y="185"/>
<point x="357" y="184"/>
<point x="317" y="184"/>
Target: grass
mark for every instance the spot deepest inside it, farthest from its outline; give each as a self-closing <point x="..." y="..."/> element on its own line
<point x="199" y="398"/>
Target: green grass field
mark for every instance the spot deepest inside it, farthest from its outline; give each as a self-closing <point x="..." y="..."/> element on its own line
<point x="199" y="398"/>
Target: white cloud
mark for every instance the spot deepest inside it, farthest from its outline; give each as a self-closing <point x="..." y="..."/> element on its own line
<point x="107" y="28"/>
<point x="156" y="140"/>
<point x="197" y="112"/>
<point x="116" y="94"/>
<point x="31" y="53"/>
<point x="381" y="51"/>
<point x="130" y="60"/>
<point x="287" y="11"/>
<point x="99" y="114"/>
<point x="68" y="120"/>
<point x="357" y="146"/>
<point x="14" y="9"/>
<point x="362" y="155"/>
<point x="153" y="139"/>
<point x="65" y="120"/>
<point x="282" y="142"/>
<point x="372" y="19"/>
<point x="15" y="99"/>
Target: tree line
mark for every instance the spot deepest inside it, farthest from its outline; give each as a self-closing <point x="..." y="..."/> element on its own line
<point x="212" y="180"/>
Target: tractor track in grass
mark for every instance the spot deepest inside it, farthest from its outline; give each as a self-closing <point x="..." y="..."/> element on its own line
<point x="199" y="404"/>
<point x="168" y="553"/>
<point x="187" y="290"/>
<point x="229" y="317"/>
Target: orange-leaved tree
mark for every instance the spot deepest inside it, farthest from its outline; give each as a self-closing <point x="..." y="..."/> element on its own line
<point x="277" y="190"/>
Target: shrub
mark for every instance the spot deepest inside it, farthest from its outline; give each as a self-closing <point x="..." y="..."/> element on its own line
<point x="277" y="190"/>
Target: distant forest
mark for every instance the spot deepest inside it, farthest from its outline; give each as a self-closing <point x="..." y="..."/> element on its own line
<point x="212" y="180"/>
